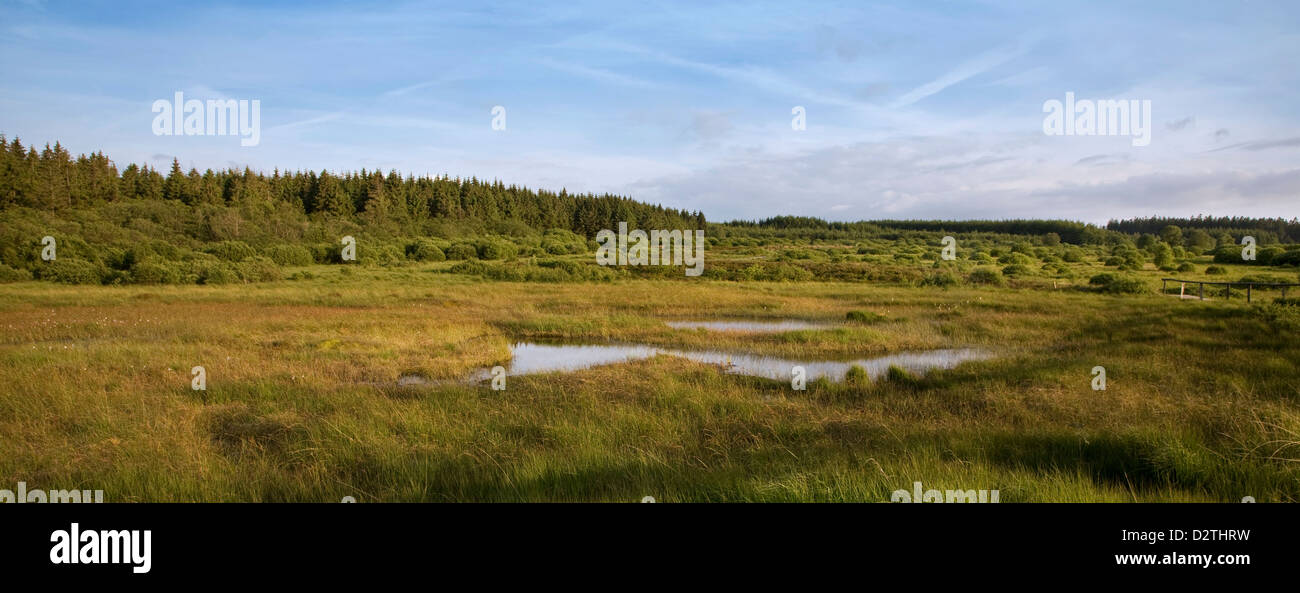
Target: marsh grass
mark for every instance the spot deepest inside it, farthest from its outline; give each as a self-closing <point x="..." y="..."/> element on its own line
<point x="303" y="400"/>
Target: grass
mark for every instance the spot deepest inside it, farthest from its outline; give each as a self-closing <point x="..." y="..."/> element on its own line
<point x="302" y="401"/>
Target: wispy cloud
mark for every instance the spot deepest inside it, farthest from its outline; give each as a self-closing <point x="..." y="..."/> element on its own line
<point x="976" y="66"/>
<point x="599" y="74"/>
<point x="1261" y="144"/>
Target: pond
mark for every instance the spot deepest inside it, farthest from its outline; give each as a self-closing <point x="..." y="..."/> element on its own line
<point x="531" y="358"/>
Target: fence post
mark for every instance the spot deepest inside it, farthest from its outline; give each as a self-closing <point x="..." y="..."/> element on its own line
<point x="1248" y="287"/>
<point x="1202" y="290"/>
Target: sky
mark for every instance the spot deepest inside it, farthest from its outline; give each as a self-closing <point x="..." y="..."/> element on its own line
<point x="911" y="109"/>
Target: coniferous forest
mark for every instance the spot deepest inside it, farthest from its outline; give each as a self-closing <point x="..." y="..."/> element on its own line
<point x="142" y="225"/>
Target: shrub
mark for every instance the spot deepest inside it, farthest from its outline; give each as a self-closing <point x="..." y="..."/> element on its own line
<point x="71" y="271"/>
<point x="986" y="276"/>
<point x="462" y="251"/>
<point x="1216" y="270"/>
<point x="1289" y="258"/>
<point x="8" y="274"/>
<point x="562" y="242"/>
<point x="425" y="250"/>
<point x="290" y="255"/>
<point x="258" y="269"/>
<point x="327" y="253"/>
<point x="155" y="272"/>
<point x="1112" y="283"/>
<point x="1267" y="256"/>
<point x="1017" y="270"/>
<point x="941" y="278"/>
<point x="213" y="273"/>
<point x="381" y="255"/>
<point x="472" y="267"/>
<point x="490" y="249"/>
<point x="232" y="251"/>
<point x="1186" y="267"/>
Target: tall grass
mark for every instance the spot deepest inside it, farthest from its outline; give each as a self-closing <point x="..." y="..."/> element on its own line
<point x="302" y="400"/>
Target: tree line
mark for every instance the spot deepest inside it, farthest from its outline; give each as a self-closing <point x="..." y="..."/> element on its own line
<point x="1068" y="231"/>
<point x="1278" y="230"/>
<point x="52" y="179"/>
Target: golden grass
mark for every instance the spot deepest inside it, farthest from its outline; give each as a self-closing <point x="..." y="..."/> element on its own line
<point x="303" y="403"/>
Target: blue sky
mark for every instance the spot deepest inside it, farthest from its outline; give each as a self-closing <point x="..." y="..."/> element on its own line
<point x="914" y="109"/>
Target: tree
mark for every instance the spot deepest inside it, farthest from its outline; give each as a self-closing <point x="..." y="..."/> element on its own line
<point x="1172" y="235"/>
<point x="1199" y="240"/>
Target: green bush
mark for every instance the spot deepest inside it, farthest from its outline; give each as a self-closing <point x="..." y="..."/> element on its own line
<point x="425" y="250"/>
<point x="213" y="273"/>
<point x="1016" y="258"/>
<point x="988" y="276"/>
<point x="1186" y="267"/>
<point x="490" y="249"/>
<point x="462" y="250"/>
<point x="232" y="251"/>
<point x="327" y="253"/>
<point x="71" y="271"/>
<point x="155" y="272"/>
<point x="258" y="269"/>
<point x="1017" y="270"/>
<point x="562" y="242"/>
<point x="381" y="255"/>
<point x="941" y="278"/>
<point x="1289" y="258"/>
<point x="1215" y="270"/>
<point x="1112" y="283"/>
<point x="290" y="255"/>
<point x="8" y="274"/>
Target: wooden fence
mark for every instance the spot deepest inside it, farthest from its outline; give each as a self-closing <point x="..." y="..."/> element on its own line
<point x="1227" y="291"/>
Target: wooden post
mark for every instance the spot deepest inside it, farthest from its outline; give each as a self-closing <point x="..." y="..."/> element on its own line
<point x="1202" y="287"/>
<point x="1248" y="287"/>
<point x="1182" y="289"/>
<point x="1163" y="287"/>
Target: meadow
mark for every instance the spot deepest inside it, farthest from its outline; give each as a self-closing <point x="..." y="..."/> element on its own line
<point x="305" y="401"/>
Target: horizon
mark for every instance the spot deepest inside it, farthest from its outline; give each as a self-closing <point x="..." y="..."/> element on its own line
<point x="696" y="110"/>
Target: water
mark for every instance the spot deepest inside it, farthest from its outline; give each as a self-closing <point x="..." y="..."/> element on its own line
<point x="531" y="358"/>
<point x="749" y="326"/>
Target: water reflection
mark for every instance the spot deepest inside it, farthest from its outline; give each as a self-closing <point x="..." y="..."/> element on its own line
<point x="530" y="358"/>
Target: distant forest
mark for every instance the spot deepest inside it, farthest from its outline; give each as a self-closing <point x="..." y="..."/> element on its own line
<point x="1068" y="231"/>
<point x="1285" y="231"/>
<point x="51" y="179"/>
<point x="139" y="225"/>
